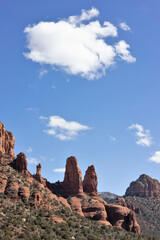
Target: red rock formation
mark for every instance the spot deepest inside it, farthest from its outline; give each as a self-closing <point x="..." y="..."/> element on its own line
<point x="90" y="181"/>
<point x="38" y="175"/>
<point x="24" y="193"/>
<point x="20" y="163"/>
<point x="3" y="182"/>
<point x="76" y="205"/>
<point x="95" y="211"/>
<point x="11" y="189"/>
<point x="122" y="217"/>
<point x="7" y="141"/>
<point x="56" y="219"/>
<point x="144" y="186"/>
<point x="72" y="183"/>
<point x="38" y="172"/>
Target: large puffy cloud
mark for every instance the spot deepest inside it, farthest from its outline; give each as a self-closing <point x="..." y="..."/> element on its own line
<point x="156" y="157"/>
<point x="77" y="45"/>
<point x="143" y="136"/>
<point x="62" y="129"/>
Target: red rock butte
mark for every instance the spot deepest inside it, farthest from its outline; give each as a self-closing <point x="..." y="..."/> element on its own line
<point x="144" y="186"/>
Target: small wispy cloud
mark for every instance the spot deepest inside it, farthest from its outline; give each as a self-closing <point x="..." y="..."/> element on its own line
<point x="53" y="87"/>
<point x="124" y="26"/>
<point x="113" y="138"/>
<point x="59" y="170"/>
<point x="42" y="72"/>
<point x="32" y="160"/>
<point x="32" y="109"/>
<point x="29" y="150"/>
<point x="63" y="129"/>
<point x="143" y="136"/>
<point x="156" y="157"/>
<point x="43" y="118"/>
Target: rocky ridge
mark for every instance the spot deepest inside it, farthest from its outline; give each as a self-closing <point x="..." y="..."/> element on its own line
<point x="73" y="193"/>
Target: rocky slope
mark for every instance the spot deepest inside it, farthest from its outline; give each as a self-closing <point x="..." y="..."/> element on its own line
<point x="144" y="186"/>
<point x="74" y="194"/>
<point x="147" y="210"/>
<point x="28" y="210"/>
<point x="142" y="197"/>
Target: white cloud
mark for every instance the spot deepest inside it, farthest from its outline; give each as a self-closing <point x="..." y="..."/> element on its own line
<point x="43" y="118"/>
<point x="32" y="160"/>
<point x="143" y="136"/>
<point x="32" y="109"/>
<point x="123" y="52"/>
<point x="62" y="129"/>
<point x="113" y="138"/>
<point x="156" y="157"/>
<point x="124" y="26"/>
<point x="85" y="15"/>
<point x="42" y="72"/>
<point x="29" y="150"/>
<point x="75" y="46"/>
<point x="59" y="170"/>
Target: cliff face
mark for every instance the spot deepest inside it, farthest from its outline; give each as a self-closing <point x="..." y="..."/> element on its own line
<point x="7" y="141"/>
<point x="144" y="186"/>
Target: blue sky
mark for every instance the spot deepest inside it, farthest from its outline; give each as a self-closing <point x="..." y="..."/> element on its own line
<point x="86" y="85"/>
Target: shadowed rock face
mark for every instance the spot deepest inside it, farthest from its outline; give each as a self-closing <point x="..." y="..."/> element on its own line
<point x="7" y="141"/>
<point x="72" y="183"/>
<point x="90" y="181"/>
<point x="20" y="163"/>
<point x="144" y="186"/>
<point x="122" y="217"/>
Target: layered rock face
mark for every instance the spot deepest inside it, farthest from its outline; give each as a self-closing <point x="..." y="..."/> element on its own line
<point x="144" y="186"/>
<point x="20" y="163"/>
<point x="90" y="181"/>
<point x="7" y="141"/>
<point x="72" y="183"/>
